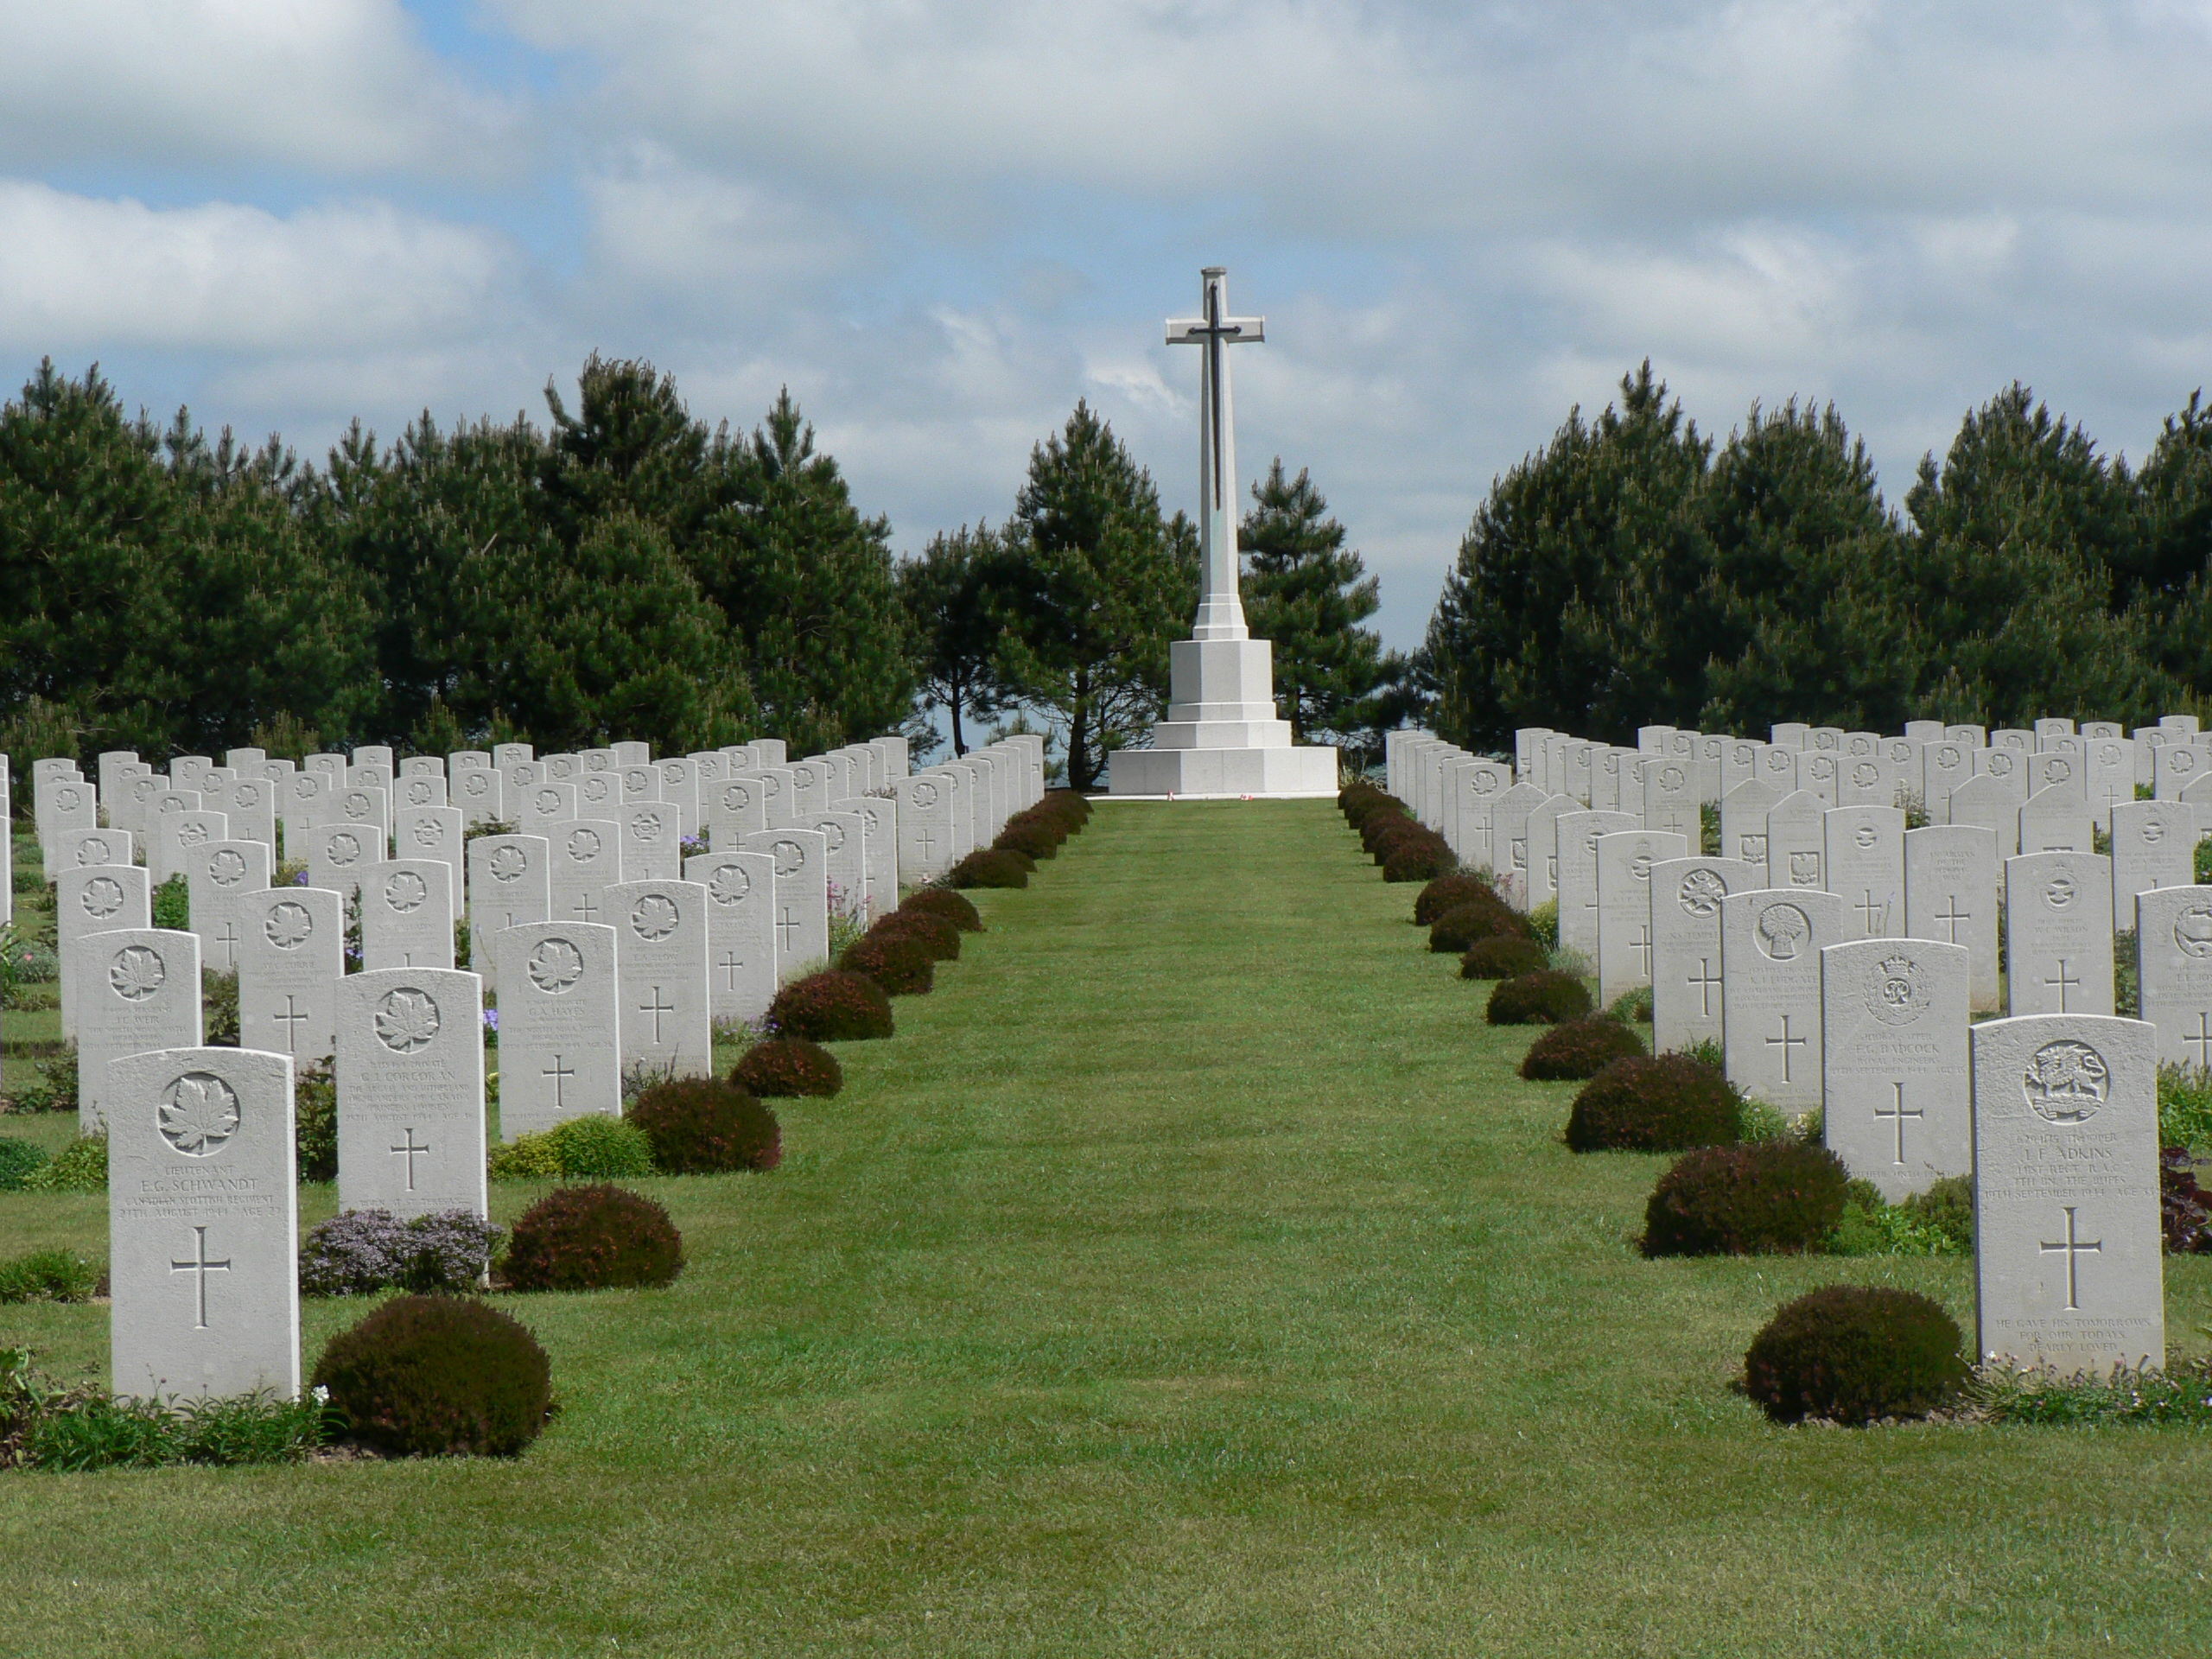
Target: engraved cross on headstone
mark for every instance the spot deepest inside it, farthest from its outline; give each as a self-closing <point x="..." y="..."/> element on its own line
<point x="410" y="1152"/>
<point x="1706" y="981"/>
<point x="1899" y="1112"/>
<point x="2075" y="1249"/>
<point x="2064" y="983"/>
<point x="1642" y="946"/>
<point x="929" y="844"/>
<point x="586" y="907"/>
<point x="1785" y="1043"/>
<point x="730" y="963"/>
<point x="1220" y="614"/>
<point x="201" y="1265"/>
<point x="228" y="938"/>
<point x="560" y="1074"/>
<point x="1951" y="916"/>
<point x="657" y="1007"/>
<point x="2201" y="1037"/>
<point x="1874" y="913"/>
<point x="786" y="929"/>
<point x="291" y="1019"/>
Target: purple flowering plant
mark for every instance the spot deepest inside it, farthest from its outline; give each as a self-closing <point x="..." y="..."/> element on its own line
<point x="364" y="1250"/>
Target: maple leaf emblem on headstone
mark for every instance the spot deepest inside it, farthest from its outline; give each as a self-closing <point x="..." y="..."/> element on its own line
<point x="729" y="885"/>
<point x="136" y="974"/>
<point x="406" y="1020"/>
<point x="556" y="965"/>
<point x="508" y="864"/>
<point x="288" y="926"/>
<point x="199" y="1114"/>
<point x="655" y="918"/>
<point x="103" y="896"/>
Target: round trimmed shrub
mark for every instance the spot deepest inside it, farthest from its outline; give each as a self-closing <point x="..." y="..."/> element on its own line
<point x="902" y="966"/>
<point x="1385" y="830"/>
<point x="1478" y="919"/>
<point x="1775" y="1195"/>
<point x="1654" y="1103"/>
<point x="995" y="866"/>
<point x="1448" y="893"/>
<point x="1544" y="998"/>
<point x="1071" y="806"/>
<point x="700" y="1126"/>
<point x="933" y="933"/>
<point x="832" y="1008"/>
<point x="1580" y="1048"/>
<point x="1422" y="859"/>
<point x="439" y="1376"/>
<point x="1503" y="955"/>
<point x="785" y="1066"/>
<point x="593" y="1238"/>
<point x="1038" y="837"/>
<point x="944" y="901"/>
<point x="1855" y="1354"/>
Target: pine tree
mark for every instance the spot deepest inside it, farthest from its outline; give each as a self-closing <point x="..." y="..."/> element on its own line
<point x="1098" y="584"/>
<point x="1307" y="594"/>
<point x="948" y="594"/>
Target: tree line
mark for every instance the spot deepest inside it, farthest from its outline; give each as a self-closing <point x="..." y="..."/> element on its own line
<point x="622" y="570"/>
<point x="1634" y="571"/>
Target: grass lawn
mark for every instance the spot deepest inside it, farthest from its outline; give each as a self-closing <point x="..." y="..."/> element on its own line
<point x="1192" y="1274"/>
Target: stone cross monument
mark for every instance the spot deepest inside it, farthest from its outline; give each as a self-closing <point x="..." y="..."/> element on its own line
<point x="1222" y="735"/>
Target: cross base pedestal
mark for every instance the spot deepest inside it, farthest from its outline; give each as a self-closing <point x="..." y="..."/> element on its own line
<point x="1221" y="736"/>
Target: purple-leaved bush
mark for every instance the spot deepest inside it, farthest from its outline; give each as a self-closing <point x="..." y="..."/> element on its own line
<point x="364" y="1250"/>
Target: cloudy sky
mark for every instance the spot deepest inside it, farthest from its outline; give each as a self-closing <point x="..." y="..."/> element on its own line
<point x="941" y="223"/>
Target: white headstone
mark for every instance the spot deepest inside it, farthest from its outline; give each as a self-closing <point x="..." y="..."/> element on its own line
<point x="1796" y="841"/>
<point x="1862" y="850"/>
<point x="736" y="807"/>
<point x="1578" y="834"/>
<point x="1686" y="981"/>
<point x="1817" y="775"/>
<point x="741" y="930"/>
<point x="410" y="1091"/>
<point x="291" y="956"/>
<point x="1624" y="943"/>
<point x="137" y="988"/>
<point x="1770" y="945"/>
<point x="2173" y="960"/>
<point x="1670" y="798"/>
<point x="598" y="794"/>
<point x="337" y="853"/>
<point x="2153" y="845"/>
<point x="89" y="900"/>
<point x="433" y="832"/>
<point x="509" y="754"/>
<point x="2056" y="820"/>
<point x="217" y="875"/>
<point x="559" y="1053"/>
<point x="926" y="836"/>
<point x="2067" y="1268"/>
<point x="652" y="843"/>
<point x="2058" y="933"/>
<point x="181" y="834"/>
<point x="879" y="816"/>
<point x="1943" y="766"/>
<point x="407" y="915"/>
<point x="1742" y="820"/>
<point x="660" y="961"/>
<point x="1986" y="801"/>
<point x="481" y="793"/>
<point x="586" y="860"/>
<point x="203" y="1225"/>
<point x="1895" y="1075"/>
<point x="509" y="885"/>
<point x="1951" y="896"/>
<point x="363" y="808"/>
<point x="1509" y="842"/>
<point x="802" y="898"/>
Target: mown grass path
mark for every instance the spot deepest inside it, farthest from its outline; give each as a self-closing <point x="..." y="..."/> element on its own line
<point x="1191" y="1275"/>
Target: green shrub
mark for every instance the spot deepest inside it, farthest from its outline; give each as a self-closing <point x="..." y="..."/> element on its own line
<point x="1360" y="801"/>
<point x="2185" y="1099"/>
<point x="82" y="1166"/>
<point x="2180" y="1391"/>
<point x="1071" y="805"/>
<point x="1546" y="997"/>
<point x="832" y="1008"/>
<point x="315" y="1121"/>
<point x="595" y="1147"/>
<point x="219" y="1002"/>
<point x="935" y="934"/>
<point x="700" y="1126"/>
<point x="1632" y="1007"/>
<point x="1855" y="1354"/>
<point x="525" y="1158"/>
<point x="944" y="901"/>
<point x="1580" y="1048"/>
<point x="18" y="1159"/>
<point x="998" y="867"/>
<point x="49" y="1276"/>
<point x="786" y="1066"/>
<point x="1872" y="1226"/>
<point x="1945" y="1208"/>
<point x="1543" y="924"/>
<point x="55" y="1090"/>
<point x="1478" y="919"/>
<point x="592" y="1238"/>
<point x="901" y="966"/>
<point x="1503" y="955"/>
<point x="1449" y="892"/>
<point x="1420" y="859"/>
<point x="2185" y="1208"/>
<point x="1654" y="1103"/>
<point x="1738" y="1200"/>
<point x="47" y="1425"/>
<point x="439" y="1376"/>
<point x="1384" y="830"/>
<point x="171" y="905"/>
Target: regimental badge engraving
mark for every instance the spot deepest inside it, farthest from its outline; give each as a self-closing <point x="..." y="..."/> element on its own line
<point x="2059" y="892"/>
<point x="1896" y="992"/>
<point x="1701" y="893"/>
<point x="2065" y="1081"/>
<point x="1782" y="928"/>
<point x="2193" y="931"/>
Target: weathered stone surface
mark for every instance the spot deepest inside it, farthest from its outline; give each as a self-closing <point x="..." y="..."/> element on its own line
<point x="2058" y="933"/>
<point x="291" y="956"/>
<point x="203" y="1225"/>
<point x="741" y="930"/>
<point x="217" y="874"/>
<point x="2056" y="820"/>
<point x="660" y="961"/>
<point x="1951" y="895"/>
<point x="137" y="988"/>
<point x="586" y="858"/>
<point x="1863" y="849"/>
<point x="2153" y="845"/>
<point x="1685" y="978"/>
<point x="1797" y="841"/>
<point x="2068" y="1266"/>
<point x="1896" y="1074"/>
<point x="1624" y="942"/>
<point x="406" y="915"/>
<point x="802" y="898"/>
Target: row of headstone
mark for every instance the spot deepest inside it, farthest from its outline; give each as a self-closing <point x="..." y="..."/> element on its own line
<point x="1837" y="960"/>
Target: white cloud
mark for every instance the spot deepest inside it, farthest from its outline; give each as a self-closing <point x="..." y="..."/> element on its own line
<point x="79" y="273"/>
<point x="671" y="228"/>
<point x="340" y="86"/>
